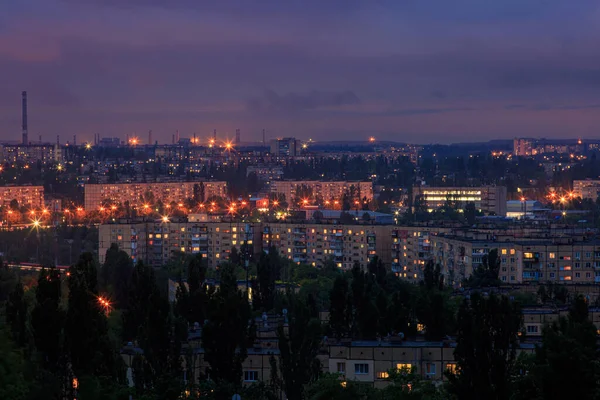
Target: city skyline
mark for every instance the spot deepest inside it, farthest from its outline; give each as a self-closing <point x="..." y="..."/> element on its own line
<point x="420" y="73"/>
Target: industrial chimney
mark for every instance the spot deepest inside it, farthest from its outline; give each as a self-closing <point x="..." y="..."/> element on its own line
<point x="24" y="110"/>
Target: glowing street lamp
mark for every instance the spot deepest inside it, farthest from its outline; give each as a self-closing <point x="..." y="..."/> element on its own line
<point x="165" y="219"/>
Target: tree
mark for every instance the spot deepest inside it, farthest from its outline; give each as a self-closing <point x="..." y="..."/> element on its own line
<point x="433" y="304"/>
<point x="486" y="274"/>
<point x="346" y="218"/>
<point x="317" y="216"/>
<point x="47" y="318"/>
<point x="225" y="335"/>
<point x="470" y="213"/>
<point x="569" y="353"/>
<point x="366" y="217"/>
<point x="339" y="315"/>
<point x="86" y="328"/>
<point x="268" y="271"/>
<point x="298" y="348"/>
<point x="116" y="273"/>
<point x="12" y="370"/>
<point x="485" y="350"/>
<point x="16" y="315"/>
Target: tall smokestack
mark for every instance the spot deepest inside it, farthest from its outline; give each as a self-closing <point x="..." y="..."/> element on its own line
<point x="40" y="139"/>
<point x="173" y="139"/>
<point x="150" y="137"/>
<point x="194" y="142"/>
<point x="264" y="142"/>
<point x="215" y="135"/>
<point x="74" y="140"/>
<point x="24" y="118"/>
<point x="237" y="136"/>
<point x="58" y="140"/>
<point x="177" y="136"/>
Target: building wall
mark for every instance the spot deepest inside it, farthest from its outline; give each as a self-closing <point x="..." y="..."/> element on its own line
<point x="488" y="199"/>
<point x="29" y="196"/>
<point x="329" y="191"/>
<point x="315" y="243"/>
<point x="155" y="243"/>
<point x="132" y="192"/>
<point x="411" y="249"/>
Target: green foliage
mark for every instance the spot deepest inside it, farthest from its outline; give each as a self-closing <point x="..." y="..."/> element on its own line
<point x="12" y="370"/>
<point x="16" y="315"/>
<point x="225" y="335"/>
<point x="486" y="348"/>
<point x="48" y="318"/>
<point x="433" y="305"/>
<point x="115" y="275"/>
<point x="486" y="275"/>
<point x="331" y="387"/>
<point x="569" y="353"/>
<point x="298" y="348"/>
<point x="268" y="271"/>
<point x="86" y="328"/>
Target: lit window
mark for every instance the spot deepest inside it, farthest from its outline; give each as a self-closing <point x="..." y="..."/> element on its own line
<point x="512" y="251"/>
<point x="451" y="368"/>
<point x="504" y="251"/>
<point x="217" y="255"/>
<point x="341" y="367"/>
<point x="119" y="237"/>
<point x="383" y="375"/>
<point x="183" y="249"/>
<point x="406" y="367"/>
<point x="552" y="255"/>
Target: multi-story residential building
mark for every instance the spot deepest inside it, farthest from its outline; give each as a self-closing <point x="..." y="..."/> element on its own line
<point x="155" y="243"/>
<point x="28" y="196"/>
<point x="411" y="249"/>
<point x="586" y="189"/>
<point x="487" y="199"/>
<point x="314" y="244"/>
<point x="285" y="147"/>
<point x="45" y="153"/>
<point x="164" y="191"/>
<point x="330" y="192"/>
<point x="523" y="147"/>
<point x="266" y="173"/>
<point x="522" y="259"/>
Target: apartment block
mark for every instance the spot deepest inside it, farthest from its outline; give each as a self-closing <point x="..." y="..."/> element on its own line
<point x="487" y="199"/>
<point x="163" y="191"/>
<point x="522" y="260"/>
<point x="328" y="191"/>
<point x="26" y="196"/>
<point x="45" y="153"/>
<point x="411" y="249"/>
<point x="586" y="189"/>
<point x="316" y="243"/>
<point x="155" y="243"/>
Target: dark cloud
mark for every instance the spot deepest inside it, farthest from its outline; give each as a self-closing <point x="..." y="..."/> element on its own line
<point x="291" y="102"/>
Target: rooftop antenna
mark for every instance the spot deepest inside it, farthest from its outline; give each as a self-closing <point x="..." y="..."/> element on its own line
<point x="264" y="141"/>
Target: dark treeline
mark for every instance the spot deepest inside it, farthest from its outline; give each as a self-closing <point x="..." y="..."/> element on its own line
<point x="69" y="335"/>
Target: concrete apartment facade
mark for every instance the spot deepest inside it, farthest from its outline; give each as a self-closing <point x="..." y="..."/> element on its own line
<point x="28" y="196"/>
<point x="163" y="191"/>
<point x="156" y="242"/>
<point x="487" y="199"/>
<point x="329" y="191"/>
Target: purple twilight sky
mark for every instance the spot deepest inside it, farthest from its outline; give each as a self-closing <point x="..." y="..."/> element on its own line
<point x="407" y="70"/>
